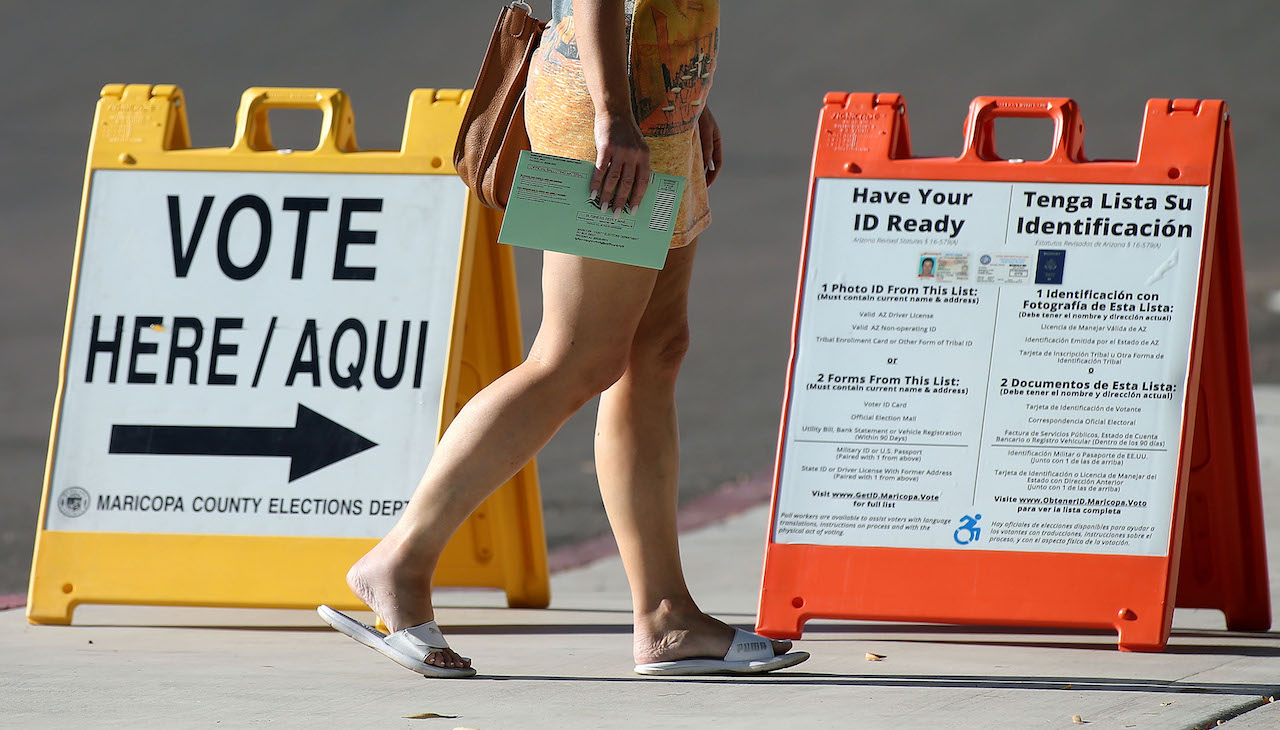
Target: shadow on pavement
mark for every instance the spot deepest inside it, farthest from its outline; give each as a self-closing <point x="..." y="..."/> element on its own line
<point x="1075" y="684"/>
<point x="922" y="633"/>
<point x="1203" y="649"/>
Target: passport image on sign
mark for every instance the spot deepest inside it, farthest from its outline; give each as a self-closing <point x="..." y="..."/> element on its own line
<point x="1049" y="266"/>
<point x="550" y="209"/>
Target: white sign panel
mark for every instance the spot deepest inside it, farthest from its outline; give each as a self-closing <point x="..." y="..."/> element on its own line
<point x="994" y="366"/>
<point x="255" y="353"/>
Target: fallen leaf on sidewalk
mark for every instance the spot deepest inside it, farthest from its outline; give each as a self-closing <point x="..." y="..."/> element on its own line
<point x="874" y="657"/>
<point x="430" y="716"/>
<point x="1166" y="704"/>
<point x="1079" y="720"/>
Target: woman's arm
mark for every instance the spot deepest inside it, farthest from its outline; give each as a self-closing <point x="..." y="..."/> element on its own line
<point x="622" y="157"/>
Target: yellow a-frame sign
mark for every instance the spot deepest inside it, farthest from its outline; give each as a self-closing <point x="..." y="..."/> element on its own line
<point x="262" y="345"/>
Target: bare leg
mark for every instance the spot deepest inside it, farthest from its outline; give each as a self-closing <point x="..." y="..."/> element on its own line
<point x="590" y="312"/>
<point x="638" y="463"/>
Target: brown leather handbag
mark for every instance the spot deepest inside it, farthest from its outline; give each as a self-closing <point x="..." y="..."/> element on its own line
<point x="492" y="133"/>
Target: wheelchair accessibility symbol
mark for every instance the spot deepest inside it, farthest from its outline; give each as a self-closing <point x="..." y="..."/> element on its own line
<point x="968" y="531"/>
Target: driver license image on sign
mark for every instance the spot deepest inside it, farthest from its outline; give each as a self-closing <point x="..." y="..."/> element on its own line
<point x="995" y="366"/>
<point x="255" y="353"/>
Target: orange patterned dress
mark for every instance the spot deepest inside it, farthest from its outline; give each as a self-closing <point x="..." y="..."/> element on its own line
<point x="672" y="56"/>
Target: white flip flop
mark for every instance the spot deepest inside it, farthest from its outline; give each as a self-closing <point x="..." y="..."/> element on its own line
<point x="407" y="647"/>
<point x="749" y="654"/>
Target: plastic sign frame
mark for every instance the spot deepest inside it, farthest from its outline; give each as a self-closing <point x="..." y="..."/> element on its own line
<point x="1216" y="536"/>
<point x="502" y="545"/>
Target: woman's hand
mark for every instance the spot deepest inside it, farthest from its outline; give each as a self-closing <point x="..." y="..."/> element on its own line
<point x="709" y="132"/>
<point x="622" y="163"/>
<point x="622" y="157"/>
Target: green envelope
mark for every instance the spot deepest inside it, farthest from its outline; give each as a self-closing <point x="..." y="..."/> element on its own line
<point x="550" y="209"/>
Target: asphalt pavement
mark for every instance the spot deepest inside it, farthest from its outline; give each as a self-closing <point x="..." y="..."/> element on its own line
<point x="776" y="62"/>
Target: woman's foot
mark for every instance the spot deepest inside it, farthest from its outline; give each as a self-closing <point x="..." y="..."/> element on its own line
<point x="673" y="632"/>
<point x="399" y="592"/>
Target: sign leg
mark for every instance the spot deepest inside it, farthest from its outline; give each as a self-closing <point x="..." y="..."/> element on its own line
<point x="1223" y="561"/>
<point x="1147" y="635"/>
<point x="779" y="617"/>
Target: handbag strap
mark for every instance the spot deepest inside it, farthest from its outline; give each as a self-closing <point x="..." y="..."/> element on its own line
<point x="497" y="93"/>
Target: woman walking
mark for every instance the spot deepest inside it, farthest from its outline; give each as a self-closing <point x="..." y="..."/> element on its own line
<point x="623" y="83"/>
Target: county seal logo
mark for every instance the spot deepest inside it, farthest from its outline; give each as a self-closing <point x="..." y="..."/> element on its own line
<point x="73" y="502"/>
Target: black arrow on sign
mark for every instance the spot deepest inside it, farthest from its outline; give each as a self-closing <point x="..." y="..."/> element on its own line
<point x="313" y="442"/>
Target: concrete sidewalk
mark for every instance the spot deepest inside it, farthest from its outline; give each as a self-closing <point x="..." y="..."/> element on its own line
<point x="569" y="666"/>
